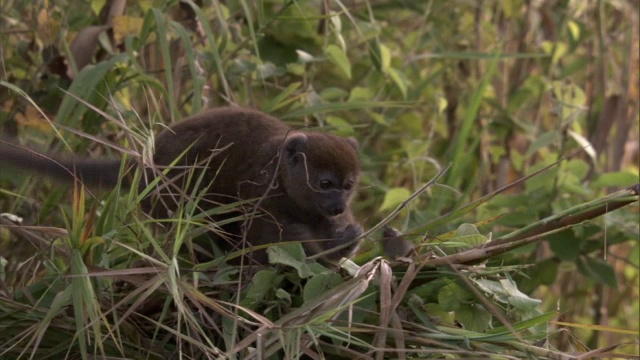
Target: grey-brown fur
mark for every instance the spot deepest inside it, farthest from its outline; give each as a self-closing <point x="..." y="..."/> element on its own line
<point x="304" y="180"/>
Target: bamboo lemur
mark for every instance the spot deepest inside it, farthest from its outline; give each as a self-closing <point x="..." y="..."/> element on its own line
<point x="304" y="181"/>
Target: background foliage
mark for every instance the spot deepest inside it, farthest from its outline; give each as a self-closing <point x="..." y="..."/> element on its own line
<point x="497" y="89"/>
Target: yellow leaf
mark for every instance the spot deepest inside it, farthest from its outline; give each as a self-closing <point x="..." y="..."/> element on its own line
<point x="442" y="104"/>
<point x="97" y="5"/>
<point x="32" y="118"/>
<point x="124" y="26"/>
<point x="574" y="29"/>
<point x="48" y="28"/>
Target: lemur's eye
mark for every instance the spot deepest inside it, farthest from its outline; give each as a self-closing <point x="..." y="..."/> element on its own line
<point x="348" y="186"/>
<point x="326" y="184"/>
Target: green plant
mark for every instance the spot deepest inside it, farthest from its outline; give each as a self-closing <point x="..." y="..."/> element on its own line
<point x="501" y="92"/>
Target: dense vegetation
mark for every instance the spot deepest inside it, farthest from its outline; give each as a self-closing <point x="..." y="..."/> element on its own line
<point x="494" y="135"/>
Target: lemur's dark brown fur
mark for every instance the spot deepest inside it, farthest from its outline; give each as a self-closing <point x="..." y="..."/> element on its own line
<point x="303" y="182"/>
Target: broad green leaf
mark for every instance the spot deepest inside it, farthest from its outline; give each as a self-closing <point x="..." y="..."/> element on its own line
<point x="467" y="236"/>
<point x="393" y="198"/>
<point x="469" y="241"/>
<point x="413" y="123"/>
<point x="339" y="58"/>
<point x="516" y="298"/>
<point x="290" y="254"/>
<point x="374" y="54"/>
<point x="359" y="93"/>
<point x="634" y="255"/>
<point x="474" y="317"/>
<point x="565" y="245"/>
<point x="283" y="295"/>
<point x="341" y="126"/>
<point x="542" y="141"/>
<point x="378" y="118"/>
<point x="597" y="270"/>
<point x="436" y="311"/>
<point x="571" y="97"/>
<point x="380" y="56"/>
<point x="544" y="182"/>
<point x="333" y="93"/>
<point x="467" y="229"/>
<point x="368" y="30"/>
<point x="451" y="296"/>
<point x="269" y="70"/>
<point x="506" y="291"/>
<point x="400" y="80"/>
<point x="615" y="179"/>
<point x="542" y="273"/>
<point x="261" y="284"/>
<point x="84" y="87"/>
<point x="319" y="284"/>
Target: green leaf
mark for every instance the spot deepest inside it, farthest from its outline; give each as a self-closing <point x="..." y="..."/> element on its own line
<point x="543" y="182"/>
<point x="436" y="311"/>
<point x="393" y="198"/>
<point x="262" y="283"/>
<point x="451" y="296"/>
<point x="542" y="141"/>
<point x="342" y="106"/>
<point x="283" y="295"/>
<point x="380" y="56"/>
<point x="474" y="317"/>
<point x="333" y="94"/>
<point x="516" y="298"/>
<point x="290" y="254"/>
<point x="506" y="291"/>
<point x="565" y="245"/>
<point x="615" y="179"/>
<point x="634" y="256"/>
<point x="319" y="284"/>
<point x="341" y="126"/>
<point x="460" y="146"/>
<point x="467" y="229"/>
<point x="597" y="270"/>
<point x="571" y="97"/>
<point x="467" y="236"/>
<point x="338" y="57"/>
<point x="84" y="87"/>
<point x="368" y="30"/>
<point x="400" y="80"/>
<point x="542" y="273"/>
<point x="359" y="93"/>
<point x="469" y="241"/>
<point x="268" y="71"/>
